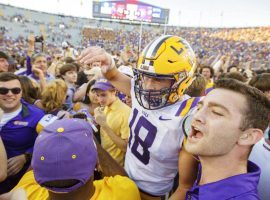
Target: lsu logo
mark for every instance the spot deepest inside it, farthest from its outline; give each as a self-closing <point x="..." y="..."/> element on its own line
<point x="20" y="123"/>
<point x="144" y="67"/>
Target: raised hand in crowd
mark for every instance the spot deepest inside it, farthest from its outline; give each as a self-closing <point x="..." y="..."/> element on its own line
<point x="108" y="68"/>
<point x="94" y="54"/>
<point x="40" y="74"/>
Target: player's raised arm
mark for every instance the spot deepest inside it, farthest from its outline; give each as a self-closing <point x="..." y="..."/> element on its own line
<point x="108" y="68"/>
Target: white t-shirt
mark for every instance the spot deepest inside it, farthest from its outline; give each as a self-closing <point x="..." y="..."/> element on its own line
<point x="8" y="116"/>
<point x="260" y="155"/>
<point x="155" y="141"/>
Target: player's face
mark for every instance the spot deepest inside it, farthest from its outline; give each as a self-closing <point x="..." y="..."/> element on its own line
<point x="206" y="73"/>
<point x="10" y="101"/>
<point x="150" y="83"/>
<point x="105" y="98"/>
<point x="216" y="125"/>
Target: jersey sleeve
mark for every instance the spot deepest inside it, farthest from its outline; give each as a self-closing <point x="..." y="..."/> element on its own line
<point x="188" y="106"/>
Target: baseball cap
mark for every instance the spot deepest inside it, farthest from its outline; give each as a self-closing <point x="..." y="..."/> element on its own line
<point x="64" y="44"/>
<point x="64" y="150"/>
<point x="102" y="84"/>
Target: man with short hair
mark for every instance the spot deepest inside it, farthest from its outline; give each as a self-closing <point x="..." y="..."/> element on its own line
<point x="229" y="121"/>
<point x="113" y="120"/>
<point x="64" y="160"/>
<point x="3" y="62"/>
<point x="260" y="153"/>
<point x="18" y="129"/>
<point x="39" y="70"/>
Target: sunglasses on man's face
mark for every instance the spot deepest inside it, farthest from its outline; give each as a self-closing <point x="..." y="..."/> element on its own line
<point x="15" y="90"/>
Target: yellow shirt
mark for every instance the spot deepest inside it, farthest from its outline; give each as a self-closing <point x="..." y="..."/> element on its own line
<point x="209" y="86"/>
<point x="109" y="188"/>
<point x="117" y="116"/>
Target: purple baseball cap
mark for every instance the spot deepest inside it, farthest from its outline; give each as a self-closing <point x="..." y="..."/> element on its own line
<point x="102" y="84"/>
<point x="64" y="150"/>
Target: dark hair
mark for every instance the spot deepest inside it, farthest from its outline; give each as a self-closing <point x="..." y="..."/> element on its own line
<point x="257" y="112"/>
<point x="69" y="60"/>
<point x="3" y="55"/>
<point x="86" y="98"/>
<point x="66" y="68"/>
<point x="235" y="75"/>
<point x="208" y="67"/>
<point x="8" y="76"/>
<point x="261" y="82"/>
<point x="29" y="92"/>
<point x="78" y="66"/>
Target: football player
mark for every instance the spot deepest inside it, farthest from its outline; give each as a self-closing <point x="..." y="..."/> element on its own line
<point x="164" y="70"/>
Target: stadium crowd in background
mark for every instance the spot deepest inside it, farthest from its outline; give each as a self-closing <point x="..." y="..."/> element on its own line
<point x="184" y="116"/>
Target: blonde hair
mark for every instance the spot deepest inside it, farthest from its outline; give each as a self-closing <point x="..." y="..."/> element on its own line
<point x="197" y="87"/>
<point x="54" y="95"/>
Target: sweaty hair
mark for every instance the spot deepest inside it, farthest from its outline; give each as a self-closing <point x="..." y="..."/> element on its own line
<point x="54" y="95"/>
<point x="257" y="108"/>
<point x="261" y="82"/>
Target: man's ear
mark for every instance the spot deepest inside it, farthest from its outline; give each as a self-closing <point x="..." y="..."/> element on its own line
<point x="250" y="136"/>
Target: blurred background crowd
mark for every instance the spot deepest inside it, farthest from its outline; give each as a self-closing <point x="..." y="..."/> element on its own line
<point x="245" y="48"/>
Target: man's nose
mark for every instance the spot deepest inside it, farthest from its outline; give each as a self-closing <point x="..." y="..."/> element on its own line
<point x="199" y="116"/>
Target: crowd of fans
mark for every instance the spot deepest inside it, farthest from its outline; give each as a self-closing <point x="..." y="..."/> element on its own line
<point x="43" y="80"/>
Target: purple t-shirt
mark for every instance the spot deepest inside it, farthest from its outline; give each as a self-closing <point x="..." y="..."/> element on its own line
<point x="239" y="187"/>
